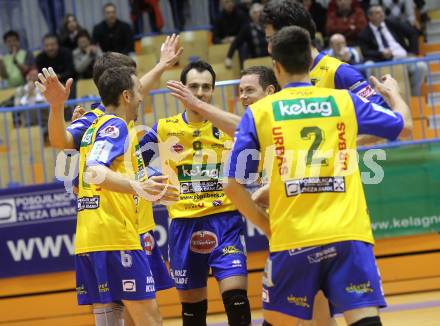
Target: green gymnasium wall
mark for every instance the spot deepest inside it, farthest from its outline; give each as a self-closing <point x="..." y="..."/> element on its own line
<point x="407" y="201"/>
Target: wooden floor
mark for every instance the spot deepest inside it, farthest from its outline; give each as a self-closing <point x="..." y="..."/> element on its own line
<point x="420" y="309"/>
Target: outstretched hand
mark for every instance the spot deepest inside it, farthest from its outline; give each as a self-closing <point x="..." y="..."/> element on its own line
<point x="170" y="51"/>
<point x="52" y="89"/>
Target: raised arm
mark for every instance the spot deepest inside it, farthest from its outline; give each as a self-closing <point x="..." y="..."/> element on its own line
<point x="56" y="94"/>
<point x="389" y="89"/>
<point x="170" y="53"/>
<point x="223" y="120"/>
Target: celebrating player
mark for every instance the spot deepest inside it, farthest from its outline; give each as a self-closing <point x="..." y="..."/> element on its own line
<point x="109" y="261"/>
<point x="319" y="228"/>
<point x="206" y="230"/>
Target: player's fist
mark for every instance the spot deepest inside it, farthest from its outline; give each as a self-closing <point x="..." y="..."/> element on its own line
<point x="157" y="189"/>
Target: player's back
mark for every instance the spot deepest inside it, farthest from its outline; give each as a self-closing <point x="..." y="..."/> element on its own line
<point x="316" y="195"/>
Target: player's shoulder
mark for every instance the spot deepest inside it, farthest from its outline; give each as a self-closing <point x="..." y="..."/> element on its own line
<point x="111" y="126"/>
<point x="327" y="62"/>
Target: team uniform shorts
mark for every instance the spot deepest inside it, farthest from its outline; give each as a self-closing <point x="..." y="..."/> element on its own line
<point x="198" y="244"/>
<point x="345" y="271"/>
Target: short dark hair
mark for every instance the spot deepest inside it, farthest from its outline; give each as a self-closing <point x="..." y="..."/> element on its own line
<point x="266" y="76"/>
<point x="113" y="82"/>
<point x="83" y="33"/>
<point x="9" y="34"/>
<point x="109" y="4"/>
<point x="51" y="35"/>
<point x="282" y="13"/>
<point x="110" y="60"/>
<point x="200" y="66"/>
<point x="291" y="48"/>
<point x="370" y="9"/>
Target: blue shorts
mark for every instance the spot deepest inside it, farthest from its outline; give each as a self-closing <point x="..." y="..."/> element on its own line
<point x="197" y="244"/>
<point x="108" y="276"/>
<point x="345" y="271"/>
<point x="162" y="278"/>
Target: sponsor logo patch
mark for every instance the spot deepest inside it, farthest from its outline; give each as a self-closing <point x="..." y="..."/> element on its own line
<point x="298" y="301"/>
<point x="88" y="203"/>
<point x="178" y="148"/>
<point x="319" y="256"/>
<point x="110" y="131"/>
<point x="199" y="172"/>
<point x="359" y="288"/>
<point x="231" y="250"/>
<point x="265" y="296"/>
<point x="318" y="107"/>
<point x="203" y="242"/>
<point x="314" y="185"/>
<point x="129" y="285"/>
<point x="148" y="243"/>
<point x="366" y="92"/>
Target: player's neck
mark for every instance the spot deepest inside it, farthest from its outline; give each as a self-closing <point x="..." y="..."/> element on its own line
<point x="315" y="53"/>
<point x="287" y="79"/>
<point x="193" y="117"/>
<point x="117" y="111"/>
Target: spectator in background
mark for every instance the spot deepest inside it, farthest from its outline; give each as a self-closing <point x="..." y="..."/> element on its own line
<point x="152" y="7"/>
<point x="403" y="10"/>
<point x="69" y="31"/>
<point x="84" y="55"/>
<point x="229" y="23"/>
<point x="60" y="59"/>
<point x="180" y="9"/>
<point x="251" y="35"/>
<point x="15" y="65"/>
<point x="387" y="39"/>
<point x="29" y="94"/>
<point x="113" y="34"/>
<point x="318" y="13"/>
<point x="347" y="19"/>
<point x="339" y="49"/>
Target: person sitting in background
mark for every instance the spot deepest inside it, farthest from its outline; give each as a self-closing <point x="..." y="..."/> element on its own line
<point x="59" y="58"/>
<point x="252" y="35"/>
<point x="229" y="23"/>
<point x="339" y="49"/>
<point x="69" y="31"/>
<point x="347" y="19"/>
<point x="113" y="34"/>
<point x="84" y="55"/>
<point x="29" y="94"/>
<point x="403" y="10"/>
<point x="386" y="39"/>
<point x="15" y="65"/>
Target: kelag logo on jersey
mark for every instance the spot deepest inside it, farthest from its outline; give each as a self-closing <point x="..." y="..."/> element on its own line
<point x="199" y="172"/>
<point x="315" y="107"/>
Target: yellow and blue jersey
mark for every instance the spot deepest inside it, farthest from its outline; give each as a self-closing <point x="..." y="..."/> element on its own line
<point x="194" y="162"/>
<point x="108" y="220"/>
<point x="77" y="129"/>
<point x="329" y="72"/>
<point x="307" y="139"/>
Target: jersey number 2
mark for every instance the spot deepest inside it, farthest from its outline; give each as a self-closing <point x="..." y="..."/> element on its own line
<point x="306" y="134"/>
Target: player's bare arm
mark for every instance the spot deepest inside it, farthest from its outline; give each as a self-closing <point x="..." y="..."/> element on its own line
<point x="170" y="53"/>
<point x="223" y="120"/>
<point x="113" y="181"/>
<point x="56" y="94"/>
<point x="244" y="203"/>
<point x="389" y="89"/>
